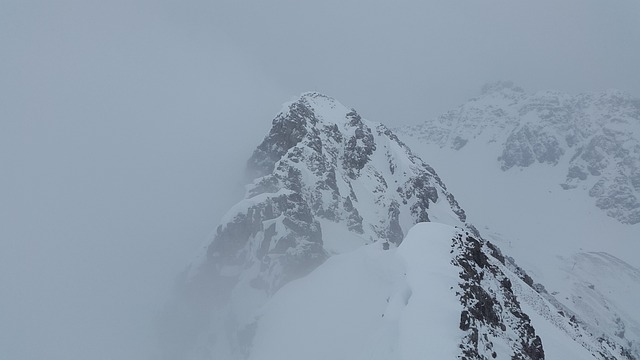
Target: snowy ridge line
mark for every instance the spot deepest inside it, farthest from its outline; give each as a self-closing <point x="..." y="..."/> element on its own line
<point x="491" y="309"/>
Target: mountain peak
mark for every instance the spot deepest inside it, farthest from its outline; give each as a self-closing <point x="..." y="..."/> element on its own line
<point x="317" y="144"/>
<point x="324" y="108"/>
<point x="324" y="181"/>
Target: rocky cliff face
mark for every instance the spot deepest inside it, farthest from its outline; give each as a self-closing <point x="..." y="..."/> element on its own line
<point x="320" y="163"/>
<point x="594" y="137"/>
<point x="491" y="309"/>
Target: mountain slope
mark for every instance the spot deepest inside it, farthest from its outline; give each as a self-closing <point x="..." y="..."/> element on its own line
<point x="324" y="181"/>
<point x="605" y="292"/>
<point x="537" y="213"/>
<point x="403" y="303"/>
<point x="327" y="184"/>
<point x="323" y="163"/>
<point x="595" y="138"/>
<point x="441" y="294"/>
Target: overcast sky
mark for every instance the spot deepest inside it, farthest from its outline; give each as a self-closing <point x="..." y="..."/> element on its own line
<point x="124" y="126"/>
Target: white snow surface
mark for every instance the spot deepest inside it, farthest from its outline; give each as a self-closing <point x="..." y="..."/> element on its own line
<point x="369" y="304"/>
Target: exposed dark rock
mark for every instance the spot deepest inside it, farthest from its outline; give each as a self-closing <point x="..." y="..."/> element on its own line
<point x="395" y="231"/>
<point x="526" y="145"/>
<point x="489" y="314"/>
<point x="287" y="131"/>
<point x="359" y="147"/>
<point x="576" y="172"/>
<point x="354" y="221"/>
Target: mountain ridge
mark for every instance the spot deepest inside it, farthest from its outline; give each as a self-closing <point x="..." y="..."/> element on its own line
<point x="326" y="183"/>
<point x="323" y="181"/>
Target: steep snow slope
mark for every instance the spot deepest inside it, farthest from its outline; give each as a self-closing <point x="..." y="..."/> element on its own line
<point x="555" y="235"/>
<point x="552" y="231"/>
<point x="527" y="208"/>
<point x="406" y="303"/>
<point x="605" y="292"/>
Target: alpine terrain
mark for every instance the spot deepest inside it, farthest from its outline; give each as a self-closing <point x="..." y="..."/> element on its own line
<point x="348" y="245"/>
<point x="555" y="184"/>
<point x="593" y="138"/>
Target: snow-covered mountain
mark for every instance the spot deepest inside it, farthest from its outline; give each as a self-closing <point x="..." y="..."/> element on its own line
<point x="327" y="184"/>
<point x="594" y="138"/>
<point x="441" y="294"/>
<point x="324" y="181"/>
<point x="523" y="151"/>
<point x="436" y="296"/>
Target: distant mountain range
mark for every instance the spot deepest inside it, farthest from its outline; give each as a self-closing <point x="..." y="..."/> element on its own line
<point x="529" y="168"/>
<point x="348" y="245"/>
<point x="594" y="138"/>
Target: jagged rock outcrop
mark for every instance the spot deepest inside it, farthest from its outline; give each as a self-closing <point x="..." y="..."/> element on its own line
<point x="322" y="162"/>
<point x="491" y="309"/>
<point x="495" y="290"/>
